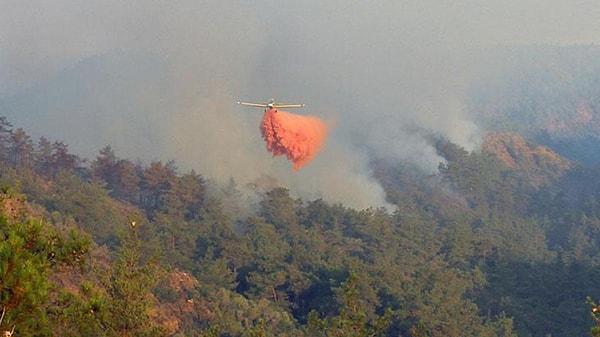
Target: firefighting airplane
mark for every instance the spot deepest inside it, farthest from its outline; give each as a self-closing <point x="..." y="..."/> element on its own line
<point x="272" y="105"/>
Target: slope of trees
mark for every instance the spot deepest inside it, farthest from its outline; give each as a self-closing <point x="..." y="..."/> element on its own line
<point x="119" y="248"/>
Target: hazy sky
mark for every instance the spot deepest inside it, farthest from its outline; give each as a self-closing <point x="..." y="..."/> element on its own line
<point x="158" y="79"/>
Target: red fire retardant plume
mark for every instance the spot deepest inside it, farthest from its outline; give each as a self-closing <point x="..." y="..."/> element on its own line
<point x="298" y="137"/>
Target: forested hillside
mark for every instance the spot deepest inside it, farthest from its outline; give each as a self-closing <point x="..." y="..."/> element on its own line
<point x="501" y="242"/>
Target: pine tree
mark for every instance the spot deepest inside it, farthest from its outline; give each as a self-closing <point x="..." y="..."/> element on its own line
<point x="595" y="312"/>
<point x="353" y="319"/>
<point x="29" y="250"/>
<point x="129" y="285"/>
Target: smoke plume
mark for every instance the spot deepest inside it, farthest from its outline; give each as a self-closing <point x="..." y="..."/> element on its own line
<point x="300" y="138"/>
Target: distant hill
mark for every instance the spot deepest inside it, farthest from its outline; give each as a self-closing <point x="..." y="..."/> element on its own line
<point x="93" y="103"/>
<point x="544" y="93"/>
<point x="539" y="163"/>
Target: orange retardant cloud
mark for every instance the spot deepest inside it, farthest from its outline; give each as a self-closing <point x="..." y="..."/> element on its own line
<point x="298" y="137"/>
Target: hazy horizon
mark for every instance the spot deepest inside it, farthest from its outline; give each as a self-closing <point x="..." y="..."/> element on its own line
<point x="158" y="80"/>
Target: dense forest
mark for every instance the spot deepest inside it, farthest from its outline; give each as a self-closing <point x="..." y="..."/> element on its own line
<point x="502" y="241"/>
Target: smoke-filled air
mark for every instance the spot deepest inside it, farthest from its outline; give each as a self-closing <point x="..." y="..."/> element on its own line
<point x="297" y="137"/>
<point x="158" y="80"/>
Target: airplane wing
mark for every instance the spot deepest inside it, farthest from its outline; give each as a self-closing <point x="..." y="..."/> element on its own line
<point x="259" y="105"/>
<point x="271" y="104"/>
<point x="285" y="106"/>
